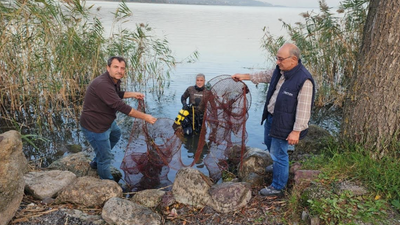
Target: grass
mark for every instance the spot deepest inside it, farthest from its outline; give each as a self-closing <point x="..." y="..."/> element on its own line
<point x="344" y="162"/>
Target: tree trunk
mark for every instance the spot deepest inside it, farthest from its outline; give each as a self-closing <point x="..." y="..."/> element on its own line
<point x="372" y="106"/>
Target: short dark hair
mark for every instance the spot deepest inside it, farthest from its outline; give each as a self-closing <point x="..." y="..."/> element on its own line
<point x="119" y="58"/>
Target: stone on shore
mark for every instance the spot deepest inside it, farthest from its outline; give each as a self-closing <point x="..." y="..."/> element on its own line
<point x="46" y="184"/>
<point x="13" y="165"/>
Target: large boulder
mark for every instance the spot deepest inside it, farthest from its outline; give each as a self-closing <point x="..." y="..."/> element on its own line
<point x="13" y="165"/>
<point x="46" y="184"/>
<point x="89" y="191"/>
<point x="122" y="211"/>
<point x="230" y="196"/>
<point x="148" y="198"/>
<point x="316" y="139"/>
<point x="191" y="187"/>
<point x="78" y="163"/>
<point x="253" y="166"/>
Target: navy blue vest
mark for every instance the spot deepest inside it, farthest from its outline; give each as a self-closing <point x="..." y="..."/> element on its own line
<point x="284" y="114"/>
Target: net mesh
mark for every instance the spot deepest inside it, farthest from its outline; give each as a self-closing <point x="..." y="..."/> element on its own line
<point x="154" y="149"/>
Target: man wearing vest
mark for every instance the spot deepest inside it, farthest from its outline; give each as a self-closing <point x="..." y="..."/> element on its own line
<point x="287" y="110"/>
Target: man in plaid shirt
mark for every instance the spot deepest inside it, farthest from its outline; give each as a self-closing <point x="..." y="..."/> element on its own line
<point x="287" y="110"/>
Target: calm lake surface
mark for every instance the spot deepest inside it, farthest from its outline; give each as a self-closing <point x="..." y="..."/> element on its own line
<point x="228" y="39"/>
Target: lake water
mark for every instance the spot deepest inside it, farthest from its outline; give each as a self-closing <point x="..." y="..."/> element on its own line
<point x="228" y="39"/>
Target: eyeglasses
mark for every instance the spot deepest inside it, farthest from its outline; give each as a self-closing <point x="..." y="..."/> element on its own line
<point x="281" y="59"/>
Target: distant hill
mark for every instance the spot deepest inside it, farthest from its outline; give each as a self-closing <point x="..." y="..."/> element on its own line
<point x="208" y="2"/>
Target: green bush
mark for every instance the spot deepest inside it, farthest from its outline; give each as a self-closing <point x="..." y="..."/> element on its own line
<point x="329" y="43"/>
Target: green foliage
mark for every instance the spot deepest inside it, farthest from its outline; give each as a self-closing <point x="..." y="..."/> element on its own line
<point x="379" y="174"/>
<point x="228" y="176"/>
<point x="396" y="204"/>
<point x="349" y="161"/>
<point x="345" y="208"/>
<point x="31" y="138"/>
<point x="51" y="50"/>
<point x="329" y="43"/>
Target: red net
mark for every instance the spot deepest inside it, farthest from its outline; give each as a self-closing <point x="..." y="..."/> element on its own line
<point x="155" y="149"/>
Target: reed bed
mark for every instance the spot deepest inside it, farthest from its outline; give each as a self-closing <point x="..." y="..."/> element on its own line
<point x="50" y="51"/>
<point x="329" y="43"/>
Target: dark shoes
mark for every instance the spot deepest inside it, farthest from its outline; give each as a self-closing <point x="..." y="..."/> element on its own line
<point x="269" y="168"/>
<point x="270" y="191"/>
<point x="93" y="165"/>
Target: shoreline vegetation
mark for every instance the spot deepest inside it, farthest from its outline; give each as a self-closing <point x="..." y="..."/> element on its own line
<point x="51" y="51"/>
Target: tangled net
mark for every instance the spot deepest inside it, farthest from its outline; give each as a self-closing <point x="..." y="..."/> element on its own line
<point x="154" y="149"/>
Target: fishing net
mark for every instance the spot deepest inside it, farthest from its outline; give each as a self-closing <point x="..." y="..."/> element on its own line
<point x="154" y="149"/>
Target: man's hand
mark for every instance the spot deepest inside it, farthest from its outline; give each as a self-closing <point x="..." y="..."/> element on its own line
<point x="150" y="119"/>
<point x="136" y="95"/>
<point x="293" y="138"/>
<point x="240" y="76"/>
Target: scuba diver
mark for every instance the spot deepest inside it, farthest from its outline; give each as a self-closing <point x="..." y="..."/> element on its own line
<point x="190" y="117"/>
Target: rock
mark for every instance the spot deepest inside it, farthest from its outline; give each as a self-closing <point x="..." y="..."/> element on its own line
<point x="316" y="139"/>
<point x="81" y="217"/>
<point x="254" y="179"/>
<point x="46" y="184"/>
<point x="355" y="189"/>
<point x="13" y="165"/>
<point x="233" y="154"/>
<point x="78" y="163"/>
<point x="148" y="198"/>
<point x="73" y="148"/>
<point x="253" y="166"/>
<point x="315" y="220"/>
<point x="64" y="216"/>
<point x="89" y="191"/>
<point x="68" y="148"/>
<point x="304" y="216"/>
<point x="167" y="199"/>
<point x="229" y="196"/>
<point x="315" y="191"/>
<point x="191" y="188"/>
<point x="294" y="167"/>
<point x="121" y="211"/>
<point x="48" y="201"/>
<point x="301" y="176"/>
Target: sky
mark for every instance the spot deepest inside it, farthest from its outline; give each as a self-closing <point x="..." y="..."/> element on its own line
<point x="302" y="3"/>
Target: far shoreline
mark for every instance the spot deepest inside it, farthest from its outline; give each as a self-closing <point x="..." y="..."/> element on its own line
<point x="159" y="3"/>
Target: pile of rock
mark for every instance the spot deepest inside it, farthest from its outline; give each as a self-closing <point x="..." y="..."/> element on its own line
<point x="71" y="180"/>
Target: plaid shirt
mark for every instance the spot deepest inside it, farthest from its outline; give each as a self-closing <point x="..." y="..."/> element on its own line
<point x="303" y="112"/>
